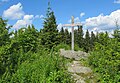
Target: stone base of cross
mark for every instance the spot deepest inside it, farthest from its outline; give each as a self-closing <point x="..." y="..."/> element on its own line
<point x="72" y="25"/>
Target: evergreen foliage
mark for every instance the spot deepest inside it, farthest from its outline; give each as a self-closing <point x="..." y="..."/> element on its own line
<point x="117" y="34"/>
<point x="49" y="33"/>
<point x="4" y="35"/>
<point x="105" y="59"/>
<point x="76" y="36"/>
<point x="28" y="56"/>
<point x="103" y="38"/>
<point x="87" y="41"/>
<point x="67" y="37"/>
<point x="80" y="37"/>
<point x="28" y="38"/>
<point x="92" y="39"/>
<point x="62" y="35"/>
<point x="24" y="60"/>
<point x="97" y="37"/>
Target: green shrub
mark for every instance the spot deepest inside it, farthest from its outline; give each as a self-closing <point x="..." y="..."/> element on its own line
<point x="77" y="48"/>
<point x="62" y="46"/>
<point x="40" y="67"/>
<point x="67" y="47"/>
<point x="106" y="61"/>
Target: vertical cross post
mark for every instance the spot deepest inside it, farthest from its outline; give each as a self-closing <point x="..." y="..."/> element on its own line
<point x="72" y="34"/>
<point x="72" y="25"/>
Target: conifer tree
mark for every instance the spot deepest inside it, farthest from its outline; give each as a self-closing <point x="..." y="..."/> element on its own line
<point x="92" y="39"/>
<point x="4" y="34"/>
<point x="117" y="31"/>
<point x="70" y="37"/>
<point x="62" y="35"/>
<point x="49" y="32"/>
<point x="80" y="37"/>
<point x="97" y="37"/>
<point x="4" y="45"/>
<point x="117" y="34"/>
<point x="87" y="41"/>
<point x="76" y="37"/>
<point x="67" y="37"/>
<point x="28" y="38"/>
<point x="106" y="35"/>
<point x="103" y="38"/>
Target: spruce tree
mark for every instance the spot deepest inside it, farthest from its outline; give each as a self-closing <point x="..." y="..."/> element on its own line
<point x="49" y="32"/>
<point x="4" y="32"/>
<point x="67" y="37"/>
<point x="80" y="37"/>
<point x="87" y="41"/>
<point x="62" y="35"/>
<point x="76" y="36"/>
<point x="117" y="34"/>
<point x="103" y="38"/>
<point x="28" y="38"/>
<point x="70" y="37"/>
<point x="97" y="37"/>
<point x="106" y="35"/>
<point x="92" y="39"/>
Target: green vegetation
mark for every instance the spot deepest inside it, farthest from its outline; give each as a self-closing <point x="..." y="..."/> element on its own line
<point x="24" y="60"/>
<point x="31" y="56"/>
<point x="105" y="59"/>
<point x="49" y="34"/>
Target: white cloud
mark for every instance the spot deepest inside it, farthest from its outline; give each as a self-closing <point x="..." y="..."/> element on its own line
<point x="14" y="12"/>
<point x="117" y="1"/>
<point x="102" y="22"/>
<point x="77" y="20"/>
<point x="82" y="14"/>
<point x="27" y="17"/>
<point x="27" y="20"/>
<point x="59" y="26"/>
<point x="39" y="16"/>
<point x="69" y="28"/>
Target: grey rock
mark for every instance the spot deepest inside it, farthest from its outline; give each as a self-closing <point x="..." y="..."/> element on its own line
<point x="76" y="67"/>
<point x="80" y="81"/>
<point x="79" y="69"/>
<point x="77" y="55"/>
<point x="78" y="78"/>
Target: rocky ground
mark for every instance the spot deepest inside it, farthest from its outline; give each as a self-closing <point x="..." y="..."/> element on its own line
<point x="80" y="73"/>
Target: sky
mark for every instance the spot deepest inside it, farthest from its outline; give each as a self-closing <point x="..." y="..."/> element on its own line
<point x="95" y="15"/>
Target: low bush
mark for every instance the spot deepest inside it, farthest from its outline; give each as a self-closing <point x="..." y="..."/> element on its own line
<point x="40" y="67"/>
<point x="105" y="60"/>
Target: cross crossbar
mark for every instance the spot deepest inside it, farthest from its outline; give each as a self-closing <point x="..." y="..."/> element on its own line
<point x="72" y="25"/>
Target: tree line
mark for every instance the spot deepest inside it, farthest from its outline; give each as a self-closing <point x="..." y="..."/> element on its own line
<point x="28" y="55"/>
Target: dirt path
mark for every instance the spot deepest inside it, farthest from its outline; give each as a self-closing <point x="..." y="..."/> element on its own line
<point x="80" y="73"/>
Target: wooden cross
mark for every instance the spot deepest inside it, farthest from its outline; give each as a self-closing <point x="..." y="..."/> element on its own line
<point x="72" y="25"/>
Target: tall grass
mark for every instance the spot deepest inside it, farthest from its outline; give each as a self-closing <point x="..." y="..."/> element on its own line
<point x="40" y="67"/>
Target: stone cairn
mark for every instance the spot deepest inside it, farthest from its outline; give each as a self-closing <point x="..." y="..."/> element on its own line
<point x="79" y="72"/>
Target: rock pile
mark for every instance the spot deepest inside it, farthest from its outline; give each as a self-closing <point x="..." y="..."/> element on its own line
<point x="79" y="72"/>
<point x="77" y="55"/>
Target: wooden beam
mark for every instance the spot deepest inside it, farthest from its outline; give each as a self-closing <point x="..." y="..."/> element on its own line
<point x="71" y="25"/>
